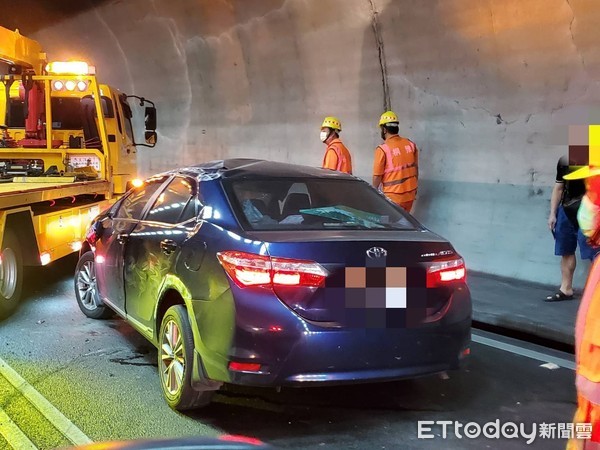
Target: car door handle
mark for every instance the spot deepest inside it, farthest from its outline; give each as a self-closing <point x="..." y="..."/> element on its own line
<point x="122" y="238"/>
<point x="168" y="246"/>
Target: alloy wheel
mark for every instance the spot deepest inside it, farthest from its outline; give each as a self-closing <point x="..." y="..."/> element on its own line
<point x="86" y="285"/>
<point x="172" y="358"/>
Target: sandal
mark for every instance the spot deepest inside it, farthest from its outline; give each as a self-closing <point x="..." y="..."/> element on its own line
<point x="559" y="296"/>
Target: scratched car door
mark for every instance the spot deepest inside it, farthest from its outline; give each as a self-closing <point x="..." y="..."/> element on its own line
<point x="154" y="246"/>
<point x="109" y="251"/>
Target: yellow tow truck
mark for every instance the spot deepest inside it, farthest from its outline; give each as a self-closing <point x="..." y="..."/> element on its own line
<point x="67" y="151"/>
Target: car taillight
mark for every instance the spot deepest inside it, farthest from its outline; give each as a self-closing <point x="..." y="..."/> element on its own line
<point x="295" y="272"/>
<point x="246" y="269"/>
<point x="249" y="269"/>
<point x="445" y="272"/>
<point x="91" y="236"/>
<point x="241" y="439"/>
<point x="244" y="367"/>
<point x="94" y="233"/>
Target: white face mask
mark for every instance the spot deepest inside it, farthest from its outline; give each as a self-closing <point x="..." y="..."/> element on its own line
<point x="588" y="216"/>
<point x="324" y="136"/>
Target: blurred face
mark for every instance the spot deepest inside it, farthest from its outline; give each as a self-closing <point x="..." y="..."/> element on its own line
<point x="325" y="132"/>
<point x="249" y="194"/>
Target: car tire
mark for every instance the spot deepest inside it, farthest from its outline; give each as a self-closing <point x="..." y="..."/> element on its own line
<point x="86" y="289"/>
<point x="11" y="274"/>
<point x="175" y="362"/>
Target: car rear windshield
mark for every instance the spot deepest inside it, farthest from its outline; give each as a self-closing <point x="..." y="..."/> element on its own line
<point x="313" y="204"/>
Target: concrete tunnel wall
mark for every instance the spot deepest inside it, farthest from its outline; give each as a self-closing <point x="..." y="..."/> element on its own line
<point x="485" y="89"/>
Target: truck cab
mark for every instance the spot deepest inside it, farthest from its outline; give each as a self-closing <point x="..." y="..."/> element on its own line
<point x="75" y="130"/>
<point x="67" y="151"/>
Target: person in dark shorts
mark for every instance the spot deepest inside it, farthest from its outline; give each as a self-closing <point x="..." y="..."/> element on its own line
<point x="566" y="198"/>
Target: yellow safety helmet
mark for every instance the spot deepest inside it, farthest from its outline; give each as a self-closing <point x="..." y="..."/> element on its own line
<point x="388" y="117"/>
<point x="591" y="170"/>
<point x="583" y="172"/>
<point x="332" y="122"/>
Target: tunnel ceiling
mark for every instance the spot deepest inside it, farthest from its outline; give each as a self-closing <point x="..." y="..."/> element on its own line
<point x="30" y="16"/>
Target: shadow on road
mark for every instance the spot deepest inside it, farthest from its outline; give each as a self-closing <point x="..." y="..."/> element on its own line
<point x="43" y="280"/>
<point x="269" y="415"/>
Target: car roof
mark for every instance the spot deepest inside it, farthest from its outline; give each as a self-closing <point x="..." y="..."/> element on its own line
<point x="237" y="168"/>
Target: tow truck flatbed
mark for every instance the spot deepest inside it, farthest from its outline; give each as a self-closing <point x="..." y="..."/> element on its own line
<point x="23" y="191"/>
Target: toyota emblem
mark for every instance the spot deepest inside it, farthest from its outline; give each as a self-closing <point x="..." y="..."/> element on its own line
<point x="376" y="252"/>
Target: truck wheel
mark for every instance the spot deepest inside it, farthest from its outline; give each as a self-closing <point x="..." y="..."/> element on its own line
<point x="86" y="289"/>
<point x="11" y="274"/>
<point x="175" y="360"/>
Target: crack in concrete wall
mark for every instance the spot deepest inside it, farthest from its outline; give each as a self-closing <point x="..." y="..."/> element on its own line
<point x="381" y="52"/>
<point x="572" y="36"/>
<point x="492" y="18"/>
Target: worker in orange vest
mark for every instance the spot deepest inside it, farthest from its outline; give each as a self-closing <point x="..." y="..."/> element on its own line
<point x="587" y="327"/>
<point x="337" y="157"/>
<point x="396" y="166"/>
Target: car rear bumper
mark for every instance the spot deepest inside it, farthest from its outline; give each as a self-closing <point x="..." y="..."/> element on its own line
<point x="292" y="350"/>
<point x="360" y="355"/>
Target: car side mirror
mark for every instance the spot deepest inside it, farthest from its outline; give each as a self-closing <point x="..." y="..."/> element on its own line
<point x="150" y="137"/>
<point x="150" y="118"/>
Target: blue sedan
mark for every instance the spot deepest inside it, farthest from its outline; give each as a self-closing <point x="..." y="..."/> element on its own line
<point x="259" y="273"/>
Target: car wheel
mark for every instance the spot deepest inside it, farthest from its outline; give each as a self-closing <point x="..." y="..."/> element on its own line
<point x="11" y="274"/>
<point x="86" y="289"/>
<point x="175" y="357"/>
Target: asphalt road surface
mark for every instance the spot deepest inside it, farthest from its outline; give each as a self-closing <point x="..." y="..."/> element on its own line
<point x="67" y="379"/>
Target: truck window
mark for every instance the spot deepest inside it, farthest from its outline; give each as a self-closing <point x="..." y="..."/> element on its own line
<point x="108" y="108"/>
<point x="119" y="118"/>
<point x="17" y="114"/>
<point x="66" y="113"/>
<point x="127" y="116"/>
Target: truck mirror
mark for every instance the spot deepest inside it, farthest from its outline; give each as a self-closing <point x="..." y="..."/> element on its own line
<point x="150" y="113"/>
<point x="151" y="138"/>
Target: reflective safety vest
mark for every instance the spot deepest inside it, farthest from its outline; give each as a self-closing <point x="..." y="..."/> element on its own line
<point x="400" y="174"/>
<point x="344" y="160"/>
<point x="587" y="338"/>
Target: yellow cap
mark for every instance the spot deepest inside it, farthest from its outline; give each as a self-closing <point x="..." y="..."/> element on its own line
<point x="388" y="117"/>
<point x="593" y="168"/>
<point x="332" y="122"/>
<point x="584" y="172"/>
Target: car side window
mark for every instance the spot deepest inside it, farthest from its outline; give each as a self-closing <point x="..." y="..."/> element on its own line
<point x="191" y="210"/>
<point x="133" y="205"/>
<point x="171" y="204"/>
